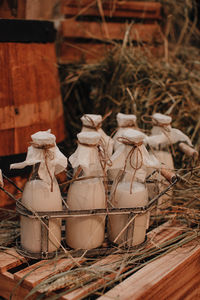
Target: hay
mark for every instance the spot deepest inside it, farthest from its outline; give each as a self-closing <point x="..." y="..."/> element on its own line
<point x="9" y="228"/>
<point x="130" y="80"/>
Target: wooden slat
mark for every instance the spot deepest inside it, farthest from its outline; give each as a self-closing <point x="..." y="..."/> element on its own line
<point x="7" y="13"/>
<point x="96" y="30"/>
<point x="80" y="292"/>
<point x="30" y="97"/>
<point x="72" y="51"/>
<point x="133" y="9"/>
<point x="86" y="289"/>
<point x="158" y="235"/>
<point x="172" y="276"/>
<point x="10" y="259"/>
<point x="41" y="270"/>
<point x="164" y="233"/>
<point x="42" y="10"/>
<point x="8" y="286"/>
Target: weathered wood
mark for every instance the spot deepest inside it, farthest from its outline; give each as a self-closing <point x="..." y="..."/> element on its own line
<point x="10" y="259"/>
<point x="90" y="52"/>
<point x="39" y="271"/>
<point x="8" y="286"/>
<point x="89" y="21"/>
<point x="189" y="151"/>
<point x="45" y="9"/>
<point x="10" y="278"/>
<point x="161" y="234"/>
<point x="15" y="11"/>
<point x="173" y="276"/>
<point x="168" y="175"/>
<point x="102" y="31"/>
<point x="133" y="9"/>
<point x="30" y="97"/>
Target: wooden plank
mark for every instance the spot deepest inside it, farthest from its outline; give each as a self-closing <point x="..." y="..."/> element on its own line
<point x="159" y="235"/>
<point x="172" y="276"/>
<point x="10" y="259"/>
<point x="133" y="9"/>
<point x="21" y="9"/>
<point x="74" y="11"/>
<point x="72" y="51"/>
<point x="15" y="10"/>
<point x="148" y="33"/>
<point x="89" y="288"/>
<point x="30" y="97"/>
<point x="42" y="10"/>
<point x="81" y="292"/>
<point x="8" y="286"/>
<point x="41" y="270"/>
<point x="164" y="233"/>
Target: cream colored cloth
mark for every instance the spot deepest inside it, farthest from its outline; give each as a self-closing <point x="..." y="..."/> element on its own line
<point x="140" y="156"/>
<point x="51" y="157"/>
<point x="87" y="157"/>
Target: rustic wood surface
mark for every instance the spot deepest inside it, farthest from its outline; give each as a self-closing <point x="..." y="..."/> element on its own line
<point x="158" y="275"/>
<point x="89" y="25"/>
<point x="173" y="276"/>
<point x="42" y="10"/>
<point x="99" y="30"/>
<point x="30" y="97"/>
<point x="133" y="9"/>
<point x="90" y="52"/>
<point x="15" y="11"/>
<point x="39" y="271"/>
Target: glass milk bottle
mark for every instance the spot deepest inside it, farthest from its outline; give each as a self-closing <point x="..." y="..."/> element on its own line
<point x="93" y="123"/>
<point x="86" y="232"/>
<point x="132" y="161"/>
<point x="124" y="122"/>
<point x="161" y="141"/>
<point x="41" y="192"/>
<point x="163" y="136"/>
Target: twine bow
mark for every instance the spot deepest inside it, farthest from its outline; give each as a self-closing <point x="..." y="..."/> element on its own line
<point x="47" y="155"/>
<point x="135" y="148"/>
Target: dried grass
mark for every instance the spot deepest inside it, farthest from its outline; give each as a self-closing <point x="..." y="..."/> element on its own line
<point x="128" y="81"/>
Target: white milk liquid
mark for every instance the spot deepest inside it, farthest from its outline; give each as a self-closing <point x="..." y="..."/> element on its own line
<point x="139" y="197"/>
<point x="166" y="158"/>
<point x="86" y="232"/>
<point x="37" y="196"/>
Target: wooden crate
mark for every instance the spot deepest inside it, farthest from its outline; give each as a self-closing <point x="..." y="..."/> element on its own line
<point x="29" y="9"/>
<point x="12" y="9"/>
<point x="90" y="27"/>
<point x="172" y="276"/>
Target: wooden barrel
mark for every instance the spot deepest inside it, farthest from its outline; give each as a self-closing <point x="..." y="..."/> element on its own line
<point x="30" y="98"/>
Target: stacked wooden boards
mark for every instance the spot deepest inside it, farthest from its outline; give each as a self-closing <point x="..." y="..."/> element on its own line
<point x="30" y="98"/>
<point x="172" y="276"/>
<point x="91" y="28"/>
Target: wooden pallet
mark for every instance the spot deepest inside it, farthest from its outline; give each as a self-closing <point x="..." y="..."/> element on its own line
<point x="133" y="9"/>
<point x="173" y="276"/>
<point x="90" y="27"/>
